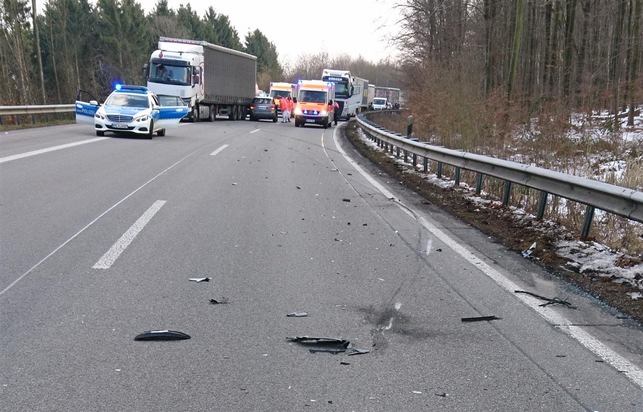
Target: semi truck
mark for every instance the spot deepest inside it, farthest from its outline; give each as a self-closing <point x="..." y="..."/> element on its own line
<point x="349" y="91"/>
<point x="314" y="103"/>
<point x="212" y="80"/>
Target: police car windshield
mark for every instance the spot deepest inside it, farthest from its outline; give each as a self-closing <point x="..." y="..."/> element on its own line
<point x="127" y="100"/>
<point x="313" y="96"/>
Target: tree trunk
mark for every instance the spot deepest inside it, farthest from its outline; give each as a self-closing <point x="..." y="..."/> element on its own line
<point x="635" y="52"/>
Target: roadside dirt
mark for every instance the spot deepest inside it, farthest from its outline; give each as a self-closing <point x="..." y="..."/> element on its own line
<point x="499" y="223"/>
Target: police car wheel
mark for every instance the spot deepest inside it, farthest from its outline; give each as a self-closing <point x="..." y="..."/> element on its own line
<point x="100" y="133"/>
<point x="150" y="134"/>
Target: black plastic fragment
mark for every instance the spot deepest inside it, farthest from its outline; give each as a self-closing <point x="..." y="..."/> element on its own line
<point x="221" y="301"/>
<point x="322" y="344"/>
<point x="548" y="301"/>
<point x="346" y="200"/>
<point x="480" y="318"/>
<point x="297" y="314"/>
<point x="161" y="335"/>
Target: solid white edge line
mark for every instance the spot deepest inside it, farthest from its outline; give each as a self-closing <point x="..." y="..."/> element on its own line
<point x="108" y="259"/>
<point x="219" y="150"/>
<point x="620" y="363"/>
<point x="49" y="149"/>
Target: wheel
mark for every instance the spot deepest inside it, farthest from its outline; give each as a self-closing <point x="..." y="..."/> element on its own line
<point x="326" y="123"/>
<point x="150" y="134"/>
<point x="100" y="133"/>
<point x="297" y="123"/>
<point x="252" y="118"/>
<point x="274" y="119"/>
<point x="195" y="114"/>
<point x="161" y="132"/>
<point x="211" y="115"/>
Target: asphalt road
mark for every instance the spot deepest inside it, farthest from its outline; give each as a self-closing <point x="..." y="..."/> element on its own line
<point x="100" y="237"/>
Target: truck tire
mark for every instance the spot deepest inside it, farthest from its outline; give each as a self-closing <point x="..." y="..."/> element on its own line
<point x="195" y="114"/>
<point x="211" y="115"/>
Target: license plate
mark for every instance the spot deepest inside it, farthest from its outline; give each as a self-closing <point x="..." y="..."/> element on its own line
<point x="119" y="126"/>
<point x="310" y="120"/>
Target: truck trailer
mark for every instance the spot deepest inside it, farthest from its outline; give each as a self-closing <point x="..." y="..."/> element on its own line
<point x="392" y="95"/>
<point x="212" y="80"/>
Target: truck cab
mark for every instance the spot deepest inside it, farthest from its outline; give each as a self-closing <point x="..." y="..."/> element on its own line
<point x="314" y="103"/>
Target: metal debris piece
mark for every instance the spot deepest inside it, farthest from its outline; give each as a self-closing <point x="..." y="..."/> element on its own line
<point x="527" y="253"/>
<point x="221" y="301"/>
<point x="162" y="335"/>
<point x="480" y="318"/>
<point x="549" y="301"/>
<point x="442" y="394"/>
<point x="297" y="314"/>
<point x="356" y="351"/>
<point x="344" y="363"/>
<point x="197" y="280"/>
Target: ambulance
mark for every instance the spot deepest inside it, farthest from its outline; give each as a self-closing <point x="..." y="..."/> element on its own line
<point x="279" y="90"/>
<point x="314" y="103"/>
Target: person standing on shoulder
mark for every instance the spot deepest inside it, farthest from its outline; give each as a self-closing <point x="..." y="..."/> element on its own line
<point x="290" y="107"/>
<point x="335" y="111"/>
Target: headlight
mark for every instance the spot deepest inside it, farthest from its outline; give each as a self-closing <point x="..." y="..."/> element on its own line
<point x="297" y="110"/>
<point x="142" y="118"/>
<point x="323" y="113"/>
<point x="99" y="116"/>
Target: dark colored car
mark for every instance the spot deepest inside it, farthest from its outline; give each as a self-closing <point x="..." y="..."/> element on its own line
<point x="263" y="108"/>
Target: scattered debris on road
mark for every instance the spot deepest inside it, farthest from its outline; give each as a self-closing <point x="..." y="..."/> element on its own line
<point x="162" y="335"/>
<point x="549" y="301"/>
<point x="328" y="345"/>
<point x="197" y="280"/>
<point x="221" y="301"/>
<point x="297" y="314"/>
<point x="480" y="318"/>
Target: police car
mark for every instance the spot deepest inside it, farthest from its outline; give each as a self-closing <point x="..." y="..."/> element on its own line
<point x="131" y="109"/>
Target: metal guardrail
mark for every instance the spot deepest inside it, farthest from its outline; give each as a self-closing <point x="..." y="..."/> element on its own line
<point x="32" y="110"/>
<point x="592" y="193"/>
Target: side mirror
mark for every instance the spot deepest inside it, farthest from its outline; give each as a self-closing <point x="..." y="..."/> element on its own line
<point x="94" y="103"/>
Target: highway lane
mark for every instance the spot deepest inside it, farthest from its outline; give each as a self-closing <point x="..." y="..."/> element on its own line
<point x="281" y="221"/>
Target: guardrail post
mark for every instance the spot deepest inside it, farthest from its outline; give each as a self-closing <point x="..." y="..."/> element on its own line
<point x="542" y="203"/>
<point x="439" y="170"/>
<point x="479" y="177"/>
<point x="506" y="192"/>
<point x="458" y="171"/>
<point x="406" y="156"/>
<point x="426" y="164"/>
<point x="589" y="215"/>
<point x="415" y="161"/>
<point x="397" y="151"/>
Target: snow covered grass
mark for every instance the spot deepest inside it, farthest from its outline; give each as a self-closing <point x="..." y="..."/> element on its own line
<point x="587" y="150"/>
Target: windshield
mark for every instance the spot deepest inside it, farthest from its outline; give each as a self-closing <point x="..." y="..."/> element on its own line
<point x="165" y="73"/>
<point x="279" y="93"/>
<point x="312" y="96"/>
<point x="379" y="101"/>
<point x="341" y="86"/>
<point x="127" y="100"/>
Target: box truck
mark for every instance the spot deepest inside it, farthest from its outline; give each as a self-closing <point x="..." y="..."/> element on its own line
<point x="212" y="80"/>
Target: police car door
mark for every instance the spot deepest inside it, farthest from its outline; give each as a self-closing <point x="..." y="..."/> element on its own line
<point x="171" y="111"/>
<point x="86" y="106"/>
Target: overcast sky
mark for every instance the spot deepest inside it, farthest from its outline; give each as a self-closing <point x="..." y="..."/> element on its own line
<point x="302" y="27"/>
